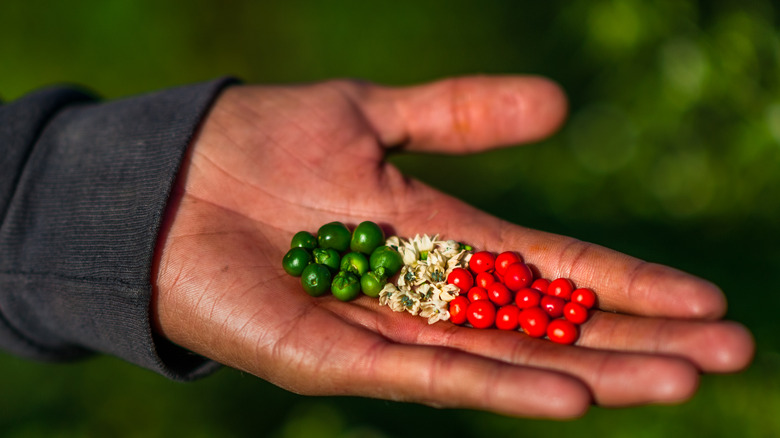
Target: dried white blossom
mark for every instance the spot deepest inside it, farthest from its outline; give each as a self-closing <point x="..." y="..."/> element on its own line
<point x="412" y="275"/>
<point x="428" y="292"/>
<point x="421" y="286"/>
<point x="436" y="274"/>
<point x="386" y="294"/>
<point x="436" y="258"/>
<point x="404" y="247"/>
<point x="396" y="305"/>
<point x="394" y="242"/>
<point x="459" y="260"/>
<point x="408" y="254"/>
<point x="409" y="301"/>
<point x="449" y="247"/>
<point x="435" y="311"/>
<point x="423" y="245"/>
<point x="449" y="292"/>
<point x="408" y="249"/>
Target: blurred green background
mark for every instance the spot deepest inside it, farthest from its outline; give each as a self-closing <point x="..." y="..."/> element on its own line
<point x="671" y="153"/>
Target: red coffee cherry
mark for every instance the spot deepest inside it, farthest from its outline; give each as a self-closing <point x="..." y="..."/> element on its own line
<point x="584" y="297"/>
<point x="562" y="331"/>
<point x="561" y="287"/>
<point x="484" y="279"/>
<point x="527" y="297"/>
<point x="553" y="306"/>
<point x="481" y="314"/>
<point x="575" y="312"/>
<point x="506" y="317"/>
<point x="534" y="322"/>
<point x="505" y="259"/>
<point x="458" y="308"/>
<point x="517" y="276"/>
<point x="477" y="293"/>
<point x="482" y="261"/>
<point x="462" y="278"/>
<point x="499" y="294"/>
<point x="541" y="284"/>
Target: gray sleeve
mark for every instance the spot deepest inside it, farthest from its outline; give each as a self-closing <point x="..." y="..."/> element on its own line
<point x="83" y="188"/>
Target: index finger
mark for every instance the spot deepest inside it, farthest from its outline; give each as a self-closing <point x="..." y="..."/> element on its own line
<point x="469" y="114"/>
<point x="465" y="114"/>
<point x="621" y="282"/>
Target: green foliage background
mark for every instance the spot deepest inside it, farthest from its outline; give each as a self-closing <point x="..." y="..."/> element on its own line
<point x="671" y="153"/>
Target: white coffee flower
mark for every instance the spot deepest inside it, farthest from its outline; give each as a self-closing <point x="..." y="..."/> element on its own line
<point x="394" y="242"/>
<point x="408" y="254"/>
<point x="459" y="260"/>
<point x="436" y="258"/>
<point x="386" y="294"/>
<point x="406" y="301"/>
<point x="436" y="273"/>
<point x="421" y="286"/>
<point x="395" y="304"/>
<point x="449" y="247"/>
<point x="406" y="276"/>
<point x="435" y="311"/>
<point x="448" y="292"/>
<point x="412" y="275"/>
<point x="423" y="245"/>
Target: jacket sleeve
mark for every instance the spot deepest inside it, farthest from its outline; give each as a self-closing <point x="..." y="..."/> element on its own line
<point x="83" y="189"/>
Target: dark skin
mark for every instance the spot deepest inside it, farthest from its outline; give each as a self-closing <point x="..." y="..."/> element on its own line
<point x="271" y="161"/>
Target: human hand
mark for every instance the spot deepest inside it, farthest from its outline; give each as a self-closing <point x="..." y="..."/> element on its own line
<point x="270" y="161"/>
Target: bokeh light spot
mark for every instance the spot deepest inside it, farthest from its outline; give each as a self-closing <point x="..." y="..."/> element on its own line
<point x="684" y="67"/>
<point x="772" y="119"/>
<point x="602" y="138"/>
<point x="684" y="182"/>
<point x="614" y="25"/>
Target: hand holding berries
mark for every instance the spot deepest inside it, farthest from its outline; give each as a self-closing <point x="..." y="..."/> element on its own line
<point x="491" y="291"/>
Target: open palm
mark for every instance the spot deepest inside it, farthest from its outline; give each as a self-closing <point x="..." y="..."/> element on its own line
<point x="270" y="161"/>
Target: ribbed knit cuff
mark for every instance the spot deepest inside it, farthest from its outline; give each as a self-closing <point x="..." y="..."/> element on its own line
<point x="83" y="203"/>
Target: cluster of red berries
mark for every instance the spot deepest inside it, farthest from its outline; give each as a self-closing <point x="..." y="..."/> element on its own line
<point x="501" y="292"/>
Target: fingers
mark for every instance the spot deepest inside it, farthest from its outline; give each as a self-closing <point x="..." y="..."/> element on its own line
<point x="613" y="378"/>
<point x="621" y="282"/>
<point x="628" y="360"/>
<point x="714" y="347"/>
<point x="450" y="378"/>
<point x="465" y="114"/>
<point x="362" y="363"/>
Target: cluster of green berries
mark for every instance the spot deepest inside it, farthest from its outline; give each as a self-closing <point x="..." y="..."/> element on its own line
<point x="342" y="262"/>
